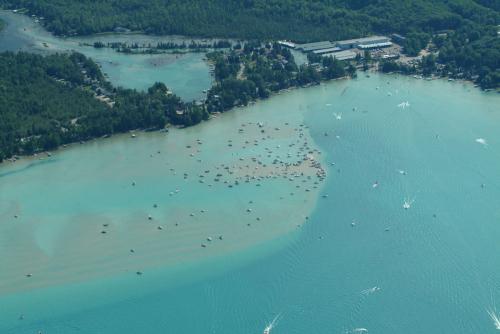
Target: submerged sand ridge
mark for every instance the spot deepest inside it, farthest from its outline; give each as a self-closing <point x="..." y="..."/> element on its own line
<point x="124" y="205"/>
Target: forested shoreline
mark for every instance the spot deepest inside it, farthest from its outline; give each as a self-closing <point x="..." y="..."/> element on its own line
<point x="161" y="47"/>
<point x="58" y="99"/>
<point x="49" y="101"/>
<point x="34" y="90"/>
<point x="464" y="32"/>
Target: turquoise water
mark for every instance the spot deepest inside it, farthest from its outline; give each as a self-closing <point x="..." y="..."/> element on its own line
<point x="187" y="74"/>
<point x="360" y="261"/>
<point x="435" y="264"/>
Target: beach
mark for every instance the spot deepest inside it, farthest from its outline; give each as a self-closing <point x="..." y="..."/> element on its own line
<point x="125" y="205"/>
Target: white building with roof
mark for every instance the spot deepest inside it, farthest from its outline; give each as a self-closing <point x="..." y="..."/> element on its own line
<point x="341" y="55"/>
<point x="310" y="47"/>
<point x="364" y="43"/>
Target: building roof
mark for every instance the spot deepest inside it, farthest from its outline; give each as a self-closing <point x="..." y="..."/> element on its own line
<point x="398" y="36"/>
<point x="287" y="44"/>
<point x="364" y="40"/>
<point x="328" y="50"/>
<point x="374" y="45"/>
<point x="341" y="55"/>
<point x="315" y="46"/>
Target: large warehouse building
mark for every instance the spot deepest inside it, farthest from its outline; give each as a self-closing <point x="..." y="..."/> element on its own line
<point x="371" y="42"/>
<point x="341" y="55"/>
<point x="310" y="47"/>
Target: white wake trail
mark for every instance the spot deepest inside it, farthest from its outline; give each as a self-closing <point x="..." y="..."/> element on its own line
<point x="495" y="317"/>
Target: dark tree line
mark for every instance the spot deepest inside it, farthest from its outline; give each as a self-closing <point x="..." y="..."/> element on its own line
<point x="161" y="46"/>
<point x="470" y="24"/>
<point x="49" y="101"/>
<point x="293" y="19"/>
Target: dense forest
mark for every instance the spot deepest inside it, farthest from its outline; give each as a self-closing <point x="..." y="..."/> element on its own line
<point x="292" y="19"/>
<point x="470" y="48"/>
<point x="58" y="99"/>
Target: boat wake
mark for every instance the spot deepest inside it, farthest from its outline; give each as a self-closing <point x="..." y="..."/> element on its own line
<point x="370" y="291"/>
<point x="408" y="203"/>
<point x="404" y="105"/>
<point x="495" y="317"/>
<point x="338" y="116"/>
<point x="272" y="324"/>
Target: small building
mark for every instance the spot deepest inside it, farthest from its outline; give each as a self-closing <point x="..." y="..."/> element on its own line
<point x="341" y="55"/>
<point x="374" y="45"/>
<point x="310" y="47"/>
<point x="287" y="44"/>
<point x="397" y="38"/>
<point x="390" y="56"/>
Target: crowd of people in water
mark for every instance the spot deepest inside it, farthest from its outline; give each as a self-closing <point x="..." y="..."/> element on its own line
<point x="300" y="165"/>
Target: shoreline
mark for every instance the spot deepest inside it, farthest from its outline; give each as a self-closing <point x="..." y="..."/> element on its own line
<point x="160" y="243"/>
<point x="35" y="157"/>
<point x="15" y="158"/>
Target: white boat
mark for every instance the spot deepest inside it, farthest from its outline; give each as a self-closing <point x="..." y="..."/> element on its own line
<point x="407" y="203"/>
<point x="370" y="290"/>
<point x="273" y="324"/>
<point x="404" y="105"/>
<point x="481" y="141"/>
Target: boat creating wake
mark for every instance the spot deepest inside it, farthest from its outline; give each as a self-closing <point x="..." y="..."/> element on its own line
<point x="272" y="324"/>
<point x="370" y="291"/>
<point x="482" y="141"/>
<point x="404" y="105"/>
<point x="495" y="317"/>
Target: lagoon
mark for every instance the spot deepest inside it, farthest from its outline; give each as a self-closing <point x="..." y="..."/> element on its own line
<point x="187" y="74"/>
